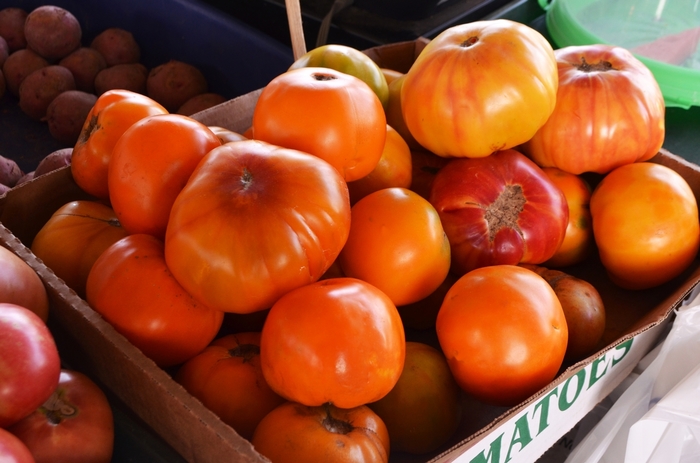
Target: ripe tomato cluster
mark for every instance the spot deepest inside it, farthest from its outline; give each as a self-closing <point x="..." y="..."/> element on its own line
<point x="362" y="203"/>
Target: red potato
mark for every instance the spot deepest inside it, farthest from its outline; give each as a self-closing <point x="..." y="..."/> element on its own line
<point x="130" y="76"/>
<point x="4" y="50"/>
<point x="19" y="65"/>
<point x="118" y="46"/>
<point x="54" y="160"/>
<point x="53" y="32"/>
<point x="200" y="102"/>
<point x="84" y="63"/>
<point x="173" y="83"/>
<point x="67" y="113"/>
<point x="25" y="178"/>
<point x="12" y="27"/>
<point x="10" y="173"/>
<point x="39" y="89"/>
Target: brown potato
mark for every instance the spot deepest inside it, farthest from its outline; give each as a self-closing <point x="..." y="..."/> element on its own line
<point x="19" y="65"/>
<point x="66" y="115"/>
<point x="40" y="87"/>
<point x="53" y="32"/>
<point x="54" y="160"/>
<point x="12" y="27"/>
<point x="118" y="46"/>
<point x="10" y="172"/>
<point x="124" y="76"/>
<point x="173" y="83"/>
<point x="84" y="63"/>
<point x="200" y="102"/>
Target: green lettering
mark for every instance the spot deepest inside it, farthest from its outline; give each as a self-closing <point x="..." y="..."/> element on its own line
<point x="594" y="370"/>
<point x="494" y="454"/>
<point x="521" y="435"/>
<point x="544" y="405"/>
<point x="625" y="347"/>
<point x="564" y="402"/>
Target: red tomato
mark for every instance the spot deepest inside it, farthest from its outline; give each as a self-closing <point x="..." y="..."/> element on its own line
<point x="324" y="112"/>
<point x="397" y="244"/>
<point x="295" y="433"/>
<point x="254" y="222"/>
<point x="503" y="332"/>
<point x="114" y="112"/>
<point x="74" y="237"/>
<point x="20" y="284"/>
<point x="501" y="209"/>
<point x="75" y="425"/>
<point x="133" y="289"/>
<point x="150" y="165"/>
<point x="609" y="112"/>
<point x="13" y="450"/>
<point x="645" y="223"/>
<point x="338" y="340"/>
<point x="480" y="87"/>
<point x="29" y="363"/>
<point x="228" y="379"/>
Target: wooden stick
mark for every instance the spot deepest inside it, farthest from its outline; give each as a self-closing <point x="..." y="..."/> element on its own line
<point x="295" y="28"/>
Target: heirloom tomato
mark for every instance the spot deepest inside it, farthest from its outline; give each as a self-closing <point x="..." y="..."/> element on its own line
<point x="324" y="112"/>
<point x="113" y="112"/>
<point x="74" y="237"/>
<point x="609" y="112"/>
<point x="347" y="60"/>
<point x="21" y="285"/>
<point x="645" y="223"/>
<point x="132" y="288"/>
<point x="226" y="377"/>
<point x="393" y="169"/>
<point x="339" y="340"/>
<point x="150" y="164"/>
<point x="503" y="332"/>
<point x="480" y="87"/>
<point x="394" y="113"/>
<point x="296" y="433"/>
<point x="254" y="221"/>
<point x="13" y="450"/>
<point x="578" y="241"/>
<point x="500" y="209"/>
<point x="74" y="425"/>
<point x="29" y="363"/>
<point x="397" y="244"/>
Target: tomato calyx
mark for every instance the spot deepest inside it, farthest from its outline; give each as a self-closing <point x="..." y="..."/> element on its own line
<point x="321" y="77"/>
<point x="333" y="424"/>
<point x="245" y="351"/>
<point x="505" y="210"/>
<point x="469" y="42"/>
<point x="600" y="66"/>
<point x="246" y="178"/>
<point x="91" y="127"/>
<point x="56" y="409"/>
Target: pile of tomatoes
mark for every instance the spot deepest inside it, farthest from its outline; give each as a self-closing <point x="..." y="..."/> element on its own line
<point x="362" y="200"/>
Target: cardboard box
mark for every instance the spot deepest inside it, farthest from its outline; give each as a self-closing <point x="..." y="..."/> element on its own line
<point x="487" y="434"/>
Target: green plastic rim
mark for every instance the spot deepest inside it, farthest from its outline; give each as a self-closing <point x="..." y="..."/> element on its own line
<point x="679" y="86"/>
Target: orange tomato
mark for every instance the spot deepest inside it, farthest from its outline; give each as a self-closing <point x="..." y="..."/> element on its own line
<point x="645" y="223"/>
<point x="150" y="165"/>
<point x="21" y="285"/>
<point x="226" y="135"/>
<point x="295" y="433"/>
<point x="113" y="112"/>
<point x="390" y="74"/>
<point x="324" y="112"/>
<point x="503" y="332"/>
<point x="393" y="169"/>
<point x="74" y="237"/>
<point x="338" y="340"/>
<point x="397" y="244"/>
<point x="394" y="113"/>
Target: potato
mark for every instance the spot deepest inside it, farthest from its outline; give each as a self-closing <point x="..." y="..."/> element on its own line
<point x="53" y="32"/>
<point x="4" y="189"/>
<point x="130" y="76"/>
<point x="24" y="179"/>
<point x="4" y="51"/>
<point x="84" y="63"/>
<point x="118" y="46"/>
<point x="40" y="87"/>
<point x="66" y="115"/>
<point x="3" y="85"/>
<point x="12" y="27"/>
<point x="10" y="172"/>
<point x="19" y="65"/>
<point x="54" y="160"/>
<point x="173" y="83"/>
<point x="200" y="102"/>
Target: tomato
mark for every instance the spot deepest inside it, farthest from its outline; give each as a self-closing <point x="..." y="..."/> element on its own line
<point x="501" y="209"/>
<point x="74" y="237"/>
<point x="393" y="169"/>
<point x="226" y="135"/>
<point x="29" y="363"/>
<point x="424" y="408"/>
<point x="295" y="433"/>
<point x="503" y="332"/>
<point x="425" y="165"/>
<point x="645" y="223"/>
<point x="348" y="60"/>
<point x="421" y="315"/>
<point x="391" y="74"/>
<point x="397" y="244"/>
<point x="228" y="379"/>
<point x="480" y="87"/>
<point x="394" y="113"/>
<point x="578" y="241"/>
<point x="20" y="284"/>
<point x="131" y="286"/>
<point x="609" y="112"/>
<point x="255" y="221"/>
<point x="342" y="322"/>
<point x="113" y="112"/>
<point x="75" y="425"/>
<point x="324" y="112"/>
<point x="150" y="164"/>
<point x="13" y="450"/>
